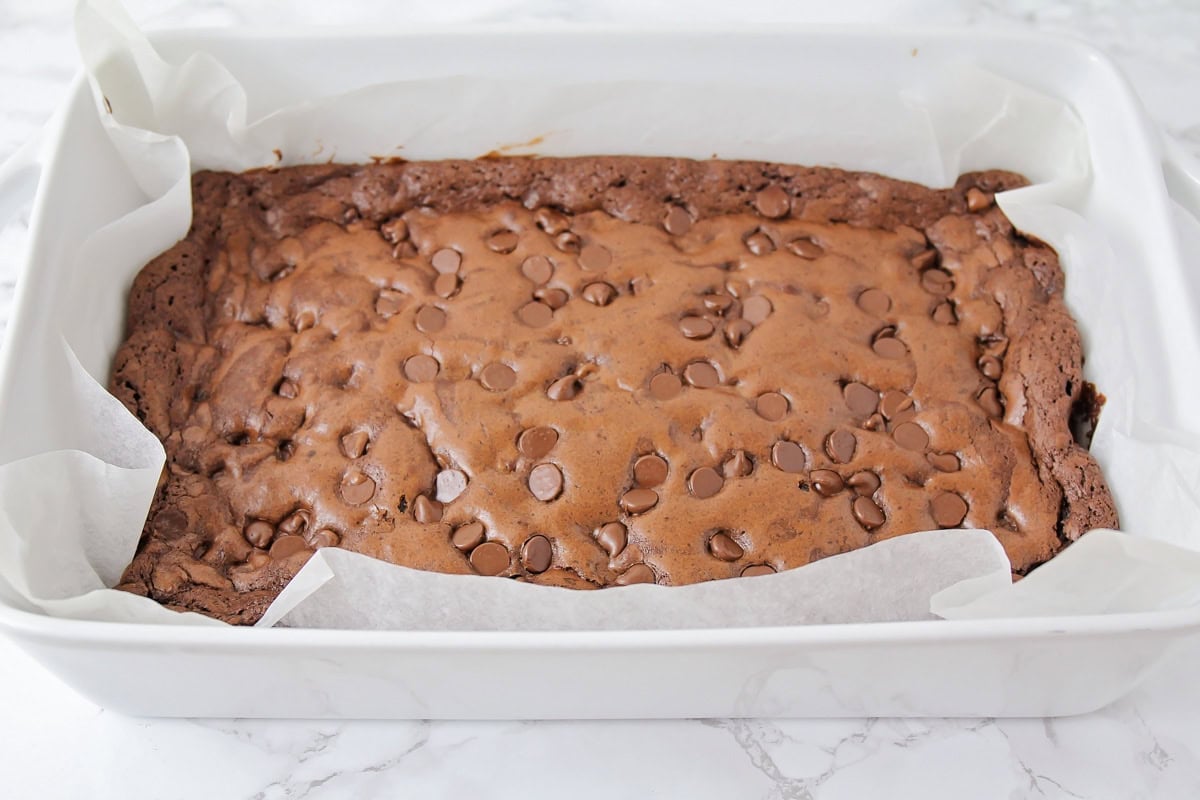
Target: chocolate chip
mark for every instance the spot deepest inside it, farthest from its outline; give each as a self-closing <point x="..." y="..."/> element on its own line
<point x="323" y="538"/>
<point x="595" y="258"/>
<point x="638" y="573"/>
<point x="991" y="367"/>
<point x="389" y="302"/>
<point x="943" y="313"/>
<point x="503" y="241"/>
<point x="696" y="327"/>
<point x="537" y="442"/>
<point x="536" y="554"/>
<point x="937" y="281"/>
<point x="864" y="482"/>
<point x="677" y="221"/>
<point x="404" y="250"/>
<point x="994" y="344"/>
<point x="889" y="347"/>
<point x="305" y="320"/>
<point x="446" y="261"/>
<point x="718" y="302"/>
<point x="354" y="443"/>
<point x="537" y="269"/>
<point x="599" y="293"/>
<point x="723" y="548"/>
<point x="259" y="533"/>
<point x="446" y="286"/>
<point x="449" y="485"/>
<point x="296" y="523"/>
<point x="497" y="377"/>
<point x="759" y="243"/>
<point x="738" y="465"/>
<point x="394" y="230"/>
<point x="286" y="546"/>
<point x="861" y="399"/>
<point x="638" y="501"/>
<point x="896" y="406"/>
<point x="649" y="471"/>
<point x="944" y="462"/>
<point x="874" y="422"/>
<point x="565" y="388"/>
<point x="467" y="537"/>
<point x="489" y="558"/>
<point x="545" y="482"/>
<point x="990" y="401"/>
<point x="756" y="570"/>
<point x="287" y="389"/>
<point x="426" y="511"/>
<point x="925" y="259"/>
<point x="948" y="510"/>
<point x="551" y="221"/>
<point x="868" y="513"/>
<point x="771" y="406"/>
<point x="665" y="386"/>
<point x="613" y="537"/>
<point x="535" y="314"/>
<point x="554" y="298"/>
<point x="805" y="247"/>
<point x="773" y="202"/>
<point x="568" y="242"/>
<point x="756" y="309"/>
<point x="826" y="482"/>
<point x="357" y="487"/>
<point x="978" y="200"/>
<point x="840" y="446"/>
<point x="430" y="319"/>
<point x="705" y="482"/>
<point x="736" y="331"/>
<point x="911" y="436"/>
<point x="788" y="456"/>
<point x="421" y="368"/>
<point x="874" y="302"/>
<point x="701" y="374"/>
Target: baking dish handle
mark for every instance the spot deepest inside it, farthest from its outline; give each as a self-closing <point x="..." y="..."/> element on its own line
<point x="1181" y="171"/>
<point x="19" y="175"/>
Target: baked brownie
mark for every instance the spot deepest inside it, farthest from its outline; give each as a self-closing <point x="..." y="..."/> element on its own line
<point x="593" y="372"/>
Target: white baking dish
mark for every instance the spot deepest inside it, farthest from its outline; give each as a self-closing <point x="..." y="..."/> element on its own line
<point x="1018" y="667"/>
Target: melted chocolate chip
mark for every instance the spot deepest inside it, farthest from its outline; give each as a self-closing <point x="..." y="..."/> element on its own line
<point x="537" y="269"/>
<point x="705" y="482"/>
<point x="944" y="462"/>
<point x="638" y="501"/>
<point x="756" y="570"/>
<point x="773" y="202"/>
<point x="497" y="377"/>
<point x="536" y="554"/>
<point x="467" y="537"/>
<point x="650" y="471"/>
<point x="826" y="482"/>
<point x="446" y="261"/>
<point x="421" y="368"/>
<point x="595" y="258"/>
<point x="874" y="302"/>
<point x="948" y="510"/>
<point x="537" y="442"/>
<point x="612" y="537"/>
<point x="503" y="241"/>
<point x="722" y="547"/>
<point x="545" y="482"/>
<point x="535" y="314"/>
<point x="357" y="487"/>
<point x="696" y="327"/>
<point x="490" y="558"/>
<point x="665" y="386"/>
<point x="599" y="293"/>
<point x="861" y="399"/>
<point x="701" y="374"/>
<point x="911" y="436"/>
<point x="771" y="406"/>
<point x="430" y="319"/>
<point x="677" y="221"/>
<point x="788" y="456"/>
<point x="805" y="247"/>
<point x="638" y="573"/>
<point x="840" y="446"/>
<point x="868" y="513"/>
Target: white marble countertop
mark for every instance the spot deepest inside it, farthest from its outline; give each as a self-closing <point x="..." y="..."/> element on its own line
<point x="55" y="744"/>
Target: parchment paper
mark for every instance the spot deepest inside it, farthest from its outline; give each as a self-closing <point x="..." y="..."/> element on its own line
<point x="75" y="491"/>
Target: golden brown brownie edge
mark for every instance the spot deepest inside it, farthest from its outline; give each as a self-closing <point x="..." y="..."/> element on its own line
<point x="609" y="370"/>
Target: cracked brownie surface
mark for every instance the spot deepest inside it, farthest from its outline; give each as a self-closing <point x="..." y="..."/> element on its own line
<point x="596" y="371"/>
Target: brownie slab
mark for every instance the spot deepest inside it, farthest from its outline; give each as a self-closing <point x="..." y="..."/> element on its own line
<point x="596" y="371"/>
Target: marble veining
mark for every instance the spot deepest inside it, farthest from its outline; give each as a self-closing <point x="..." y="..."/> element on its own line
<point x="55" y="744"/>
